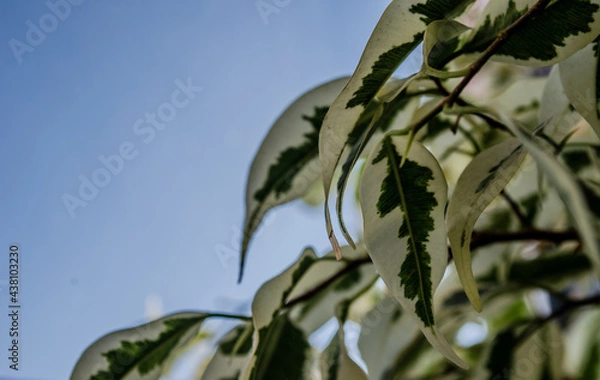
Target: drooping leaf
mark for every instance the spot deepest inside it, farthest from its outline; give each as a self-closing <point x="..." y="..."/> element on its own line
<point x="563" y="28"/>
<point x="404" y="228"/>
<point x="398" y="32"/>
<point x="286" y="165"/>
<point x="481" y="181"/>
<point x="231" y="355"/>
<point x="580" y="75"/>
<point x="138" y="353"/>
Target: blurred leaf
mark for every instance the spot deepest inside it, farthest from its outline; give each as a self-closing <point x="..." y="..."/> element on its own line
<point x="481" y="181"/>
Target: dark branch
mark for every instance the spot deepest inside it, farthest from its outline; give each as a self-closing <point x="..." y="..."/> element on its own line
<point x="354" y="264"/>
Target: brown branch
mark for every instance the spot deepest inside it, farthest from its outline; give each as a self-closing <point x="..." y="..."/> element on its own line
<point x="516" y="209"/>
<point x="483" y="238"/>
<point x="476" y="66"/>
<point x="318" y="288"/>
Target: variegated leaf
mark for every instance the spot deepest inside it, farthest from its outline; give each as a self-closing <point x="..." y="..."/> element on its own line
<point x="287" y="164"/>
<point x="481" y="181"/>
<point x="398" y="32"/>
<point x="563" y="28"/>
<point x="138" y="353"/>
<point x="231" y="355"/>
<point x="279" y="347"/>
<point x="580" y="75"/>
<point x="404" y="228"/>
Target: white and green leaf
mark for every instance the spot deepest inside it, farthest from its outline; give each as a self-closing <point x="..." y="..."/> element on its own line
<point x="287" y="165"/>
<point x="279" y="347"/>
<point x="580" y="75"/>
<point x="398" y="32"/>
<point x="563" y="28"/>
<point x="481" y="181"/>
<point x="404" y="228"/>
<point x="231" y="355"/>
<point x="141" y="352"/>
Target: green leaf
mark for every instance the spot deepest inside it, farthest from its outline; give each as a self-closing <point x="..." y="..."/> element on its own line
<point x="580" y="75"/>
<point x="481" y="181"/>
<point x="563" y="28"/>
<point x="500" y="360"/>
<point x="404" y="228"/>
<point x="398" y="32"/>
<point x="138" y="353"/>
<point x="570" y="190"/>
<point x="287" y="165"/>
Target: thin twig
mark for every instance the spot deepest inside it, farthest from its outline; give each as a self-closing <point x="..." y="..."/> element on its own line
<point x="318" y="288"/>
<point x="516" y="209"/>
<point x="566" y="308"/>
<point x="483" y="238"/>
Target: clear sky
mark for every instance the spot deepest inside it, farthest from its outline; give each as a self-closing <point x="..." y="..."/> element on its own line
<point x="79" y="86"/>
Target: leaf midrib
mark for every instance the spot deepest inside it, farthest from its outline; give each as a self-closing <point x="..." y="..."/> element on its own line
<point x="395" y="169"/>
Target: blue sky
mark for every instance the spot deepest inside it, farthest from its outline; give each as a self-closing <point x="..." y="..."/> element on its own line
<point x="167" y="221"/>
